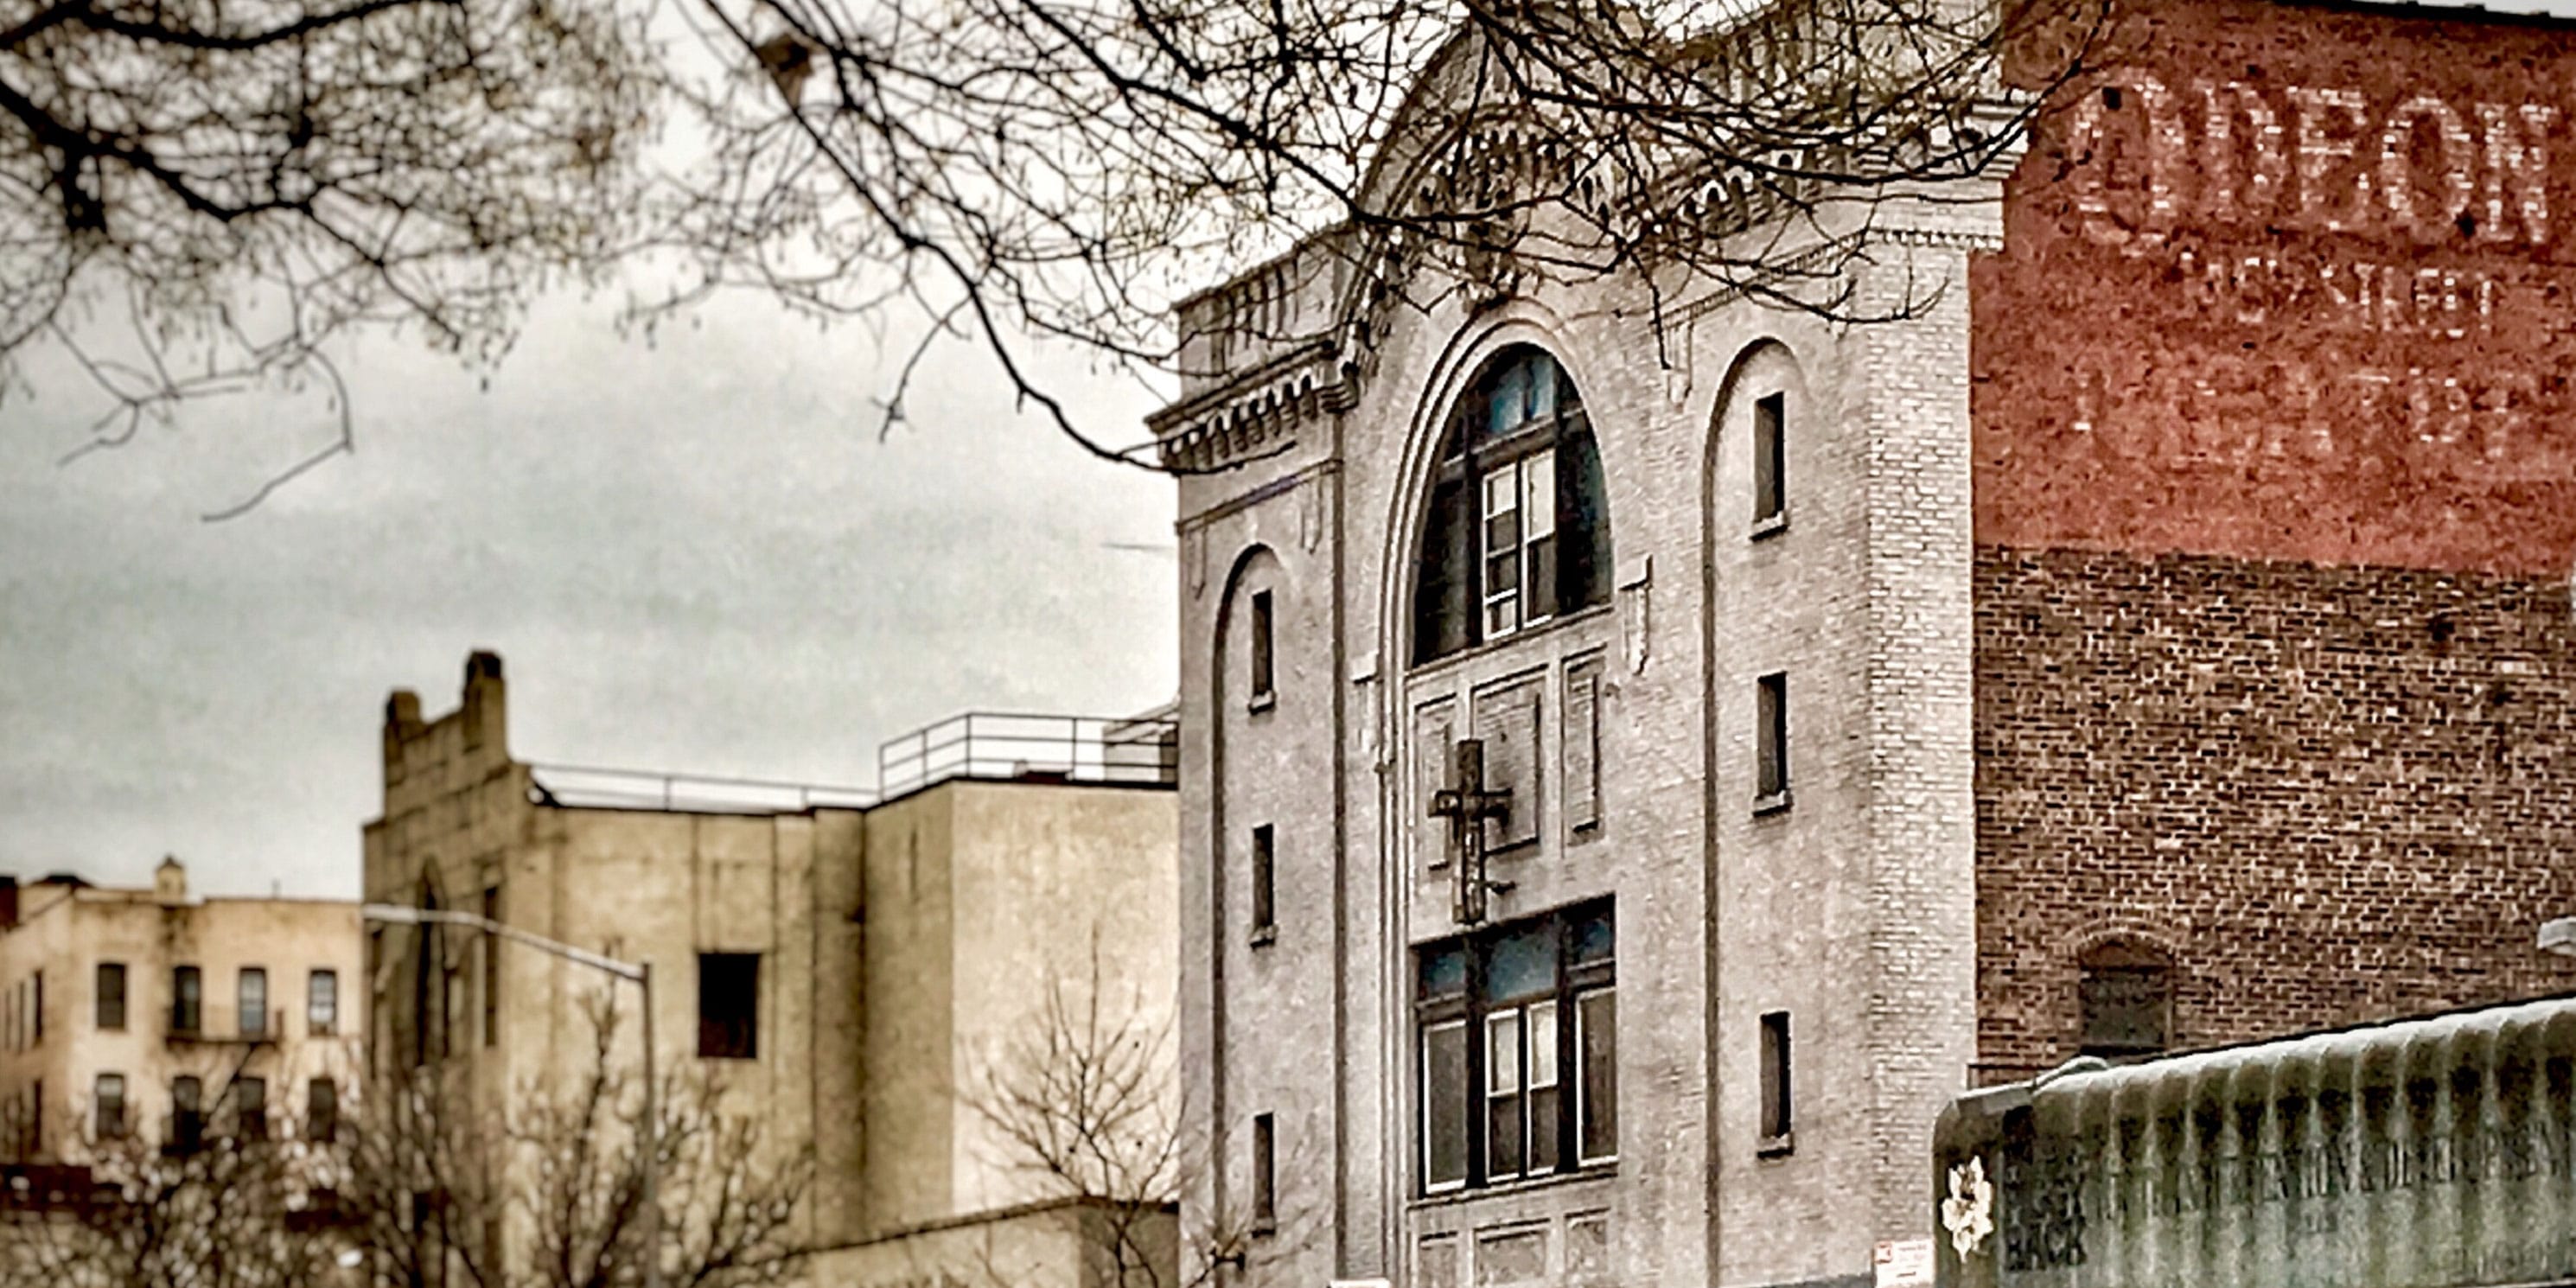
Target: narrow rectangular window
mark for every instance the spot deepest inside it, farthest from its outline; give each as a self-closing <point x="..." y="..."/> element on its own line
<point x="111" y="995"/>
<point x="187" y="999"/>
<point x="491" y="968"/>
<point x="110" y="1106"/>
<point x="322" y="1110"/>
<point x="1263" y="678"/>
<point x="39" y="1004"/>
<point x="1771" y="718"/>
<point x="1777" y="1099"/>
<point x="729" y="1006"/>
<point x="1770" y="460"/>
<point x="1264" y="888"/>
<point x="1506" y="1129"/>
<point x="1538" y="516"/>
<point x="1545" y="1104"/>
<point x="1444" y="1105"/>
<point x="1596" y="1056"/>
<point x="1265" y="1176"/>
<point x="36" y="1118"/>
<point x="187" y="1114"/>
<point x="254" y="1002"/>
<point x="250" y="1108"/>
<point x="1502" y="551"/>
<point x="322" y="1003"/>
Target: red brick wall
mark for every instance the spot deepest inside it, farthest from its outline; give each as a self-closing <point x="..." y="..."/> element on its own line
<point x="2332" y="793"/>
<point x="2275" y="511"/>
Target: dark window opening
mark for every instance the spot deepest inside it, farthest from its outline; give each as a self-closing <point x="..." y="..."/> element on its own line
<point x="729" y="1006"/>
<point x="1265" y="1176"/>
<point x="111" y="995"/>
<point x="187" y="999"/>
<point x="1517" y="1050"/>
<point x="1771" y="758"/>
<point x="187" y="1115"/>
<point x="322" y="1110"/>
<point x="1770" y="459"/>
<point x="1262" y="675"/>
<point x="491" y="968"/>
<point x="1517" y="531"/>
<point x="1264" y="881"/>
<point x="111" y="1106"/>
<point x="2125" y="993"/>
<point x="250" y="1108"/>
<point x="37" y="1015"/>
<point x="1777" y="1093"/>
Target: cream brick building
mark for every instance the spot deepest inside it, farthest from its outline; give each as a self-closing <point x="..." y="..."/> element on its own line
<point x="163" y="1016"/>
<point x="848" y="963"/>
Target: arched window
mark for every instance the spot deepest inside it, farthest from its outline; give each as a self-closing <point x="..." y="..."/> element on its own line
<point x="1519" y="530"/>
<point x="2124" y="992"/>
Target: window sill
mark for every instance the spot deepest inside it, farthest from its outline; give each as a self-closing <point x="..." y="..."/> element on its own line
<point x="1772" y="526"/>
<point x="1780" y="1146"/>
<point x="1775" y="803"/>
<point x="1590" y="1173"/>
<point x="1262" y="702"/>
<point x="1264" y="936"/>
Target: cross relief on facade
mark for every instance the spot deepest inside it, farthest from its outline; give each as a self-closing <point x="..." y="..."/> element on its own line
<point x="1466" y="803"/>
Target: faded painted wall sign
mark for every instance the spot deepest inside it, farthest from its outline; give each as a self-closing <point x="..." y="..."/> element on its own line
<point x="2292" y="283"/>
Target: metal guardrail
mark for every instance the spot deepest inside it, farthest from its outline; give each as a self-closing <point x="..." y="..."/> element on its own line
<point x="594" y="787"/>
<point x="987" y="745"/>
<point x="1017" y="747"/>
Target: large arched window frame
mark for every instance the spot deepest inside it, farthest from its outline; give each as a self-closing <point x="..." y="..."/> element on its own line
<point x="1518" y="531"/>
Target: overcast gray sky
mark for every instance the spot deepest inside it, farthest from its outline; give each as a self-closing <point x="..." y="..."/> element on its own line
<point x="695" y="555"/>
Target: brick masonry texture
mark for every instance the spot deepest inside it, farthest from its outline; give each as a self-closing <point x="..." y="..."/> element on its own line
<point x="2333" y="793"/>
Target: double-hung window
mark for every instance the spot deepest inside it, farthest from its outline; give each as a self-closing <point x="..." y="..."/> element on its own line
<point x="1517" y="1050"/>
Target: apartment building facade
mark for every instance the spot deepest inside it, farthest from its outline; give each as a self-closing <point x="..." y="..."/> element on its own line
<point x="2156" y="635"/>
<point x="844" y="964"/>
<point x="161" y="1017"/>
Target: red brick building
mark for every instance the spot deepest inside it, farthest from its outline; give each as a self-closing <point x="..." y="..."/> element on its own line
<point x="2275" y="514"/>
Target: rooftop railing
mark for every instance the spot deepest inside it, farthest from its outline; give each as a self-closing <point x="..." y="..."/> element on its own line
<point x="988" y="745"/>
<point x="593" y="787"/>
<point x="1013" y="747"/>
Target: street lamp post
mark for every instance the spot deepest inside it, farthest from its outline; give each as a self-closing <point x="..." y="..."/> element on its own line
<point x="642" y="975"/>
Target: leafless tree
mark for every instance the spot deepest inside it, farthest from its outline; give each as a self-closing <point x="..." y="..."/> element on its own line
<point x="236" y="182"/>
<point x="1085" y="1103"/>
<point x="424" y="1187"/>
<point x="547" y="1191"/>
<point x="240" y="1205"/>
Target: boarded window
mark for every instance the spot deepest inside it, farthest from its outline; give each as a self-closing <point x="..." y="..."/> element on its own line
<point x="2126" y="996"/>
<point x="1435" y="730"/>
<point x="1507" y="721"/>
<point x="729" y="1006"/>
<point x="1579" y="730"/>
